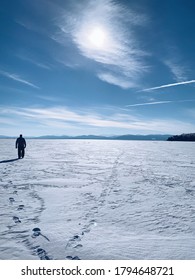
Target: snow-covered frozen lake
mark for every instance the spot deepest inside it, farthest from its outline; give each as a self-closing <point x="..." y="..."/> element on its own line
<point x="93" y="199"/>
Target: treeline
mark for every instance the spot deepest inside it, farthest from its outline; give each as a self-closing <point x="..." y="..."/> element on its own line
<point x="182" y="137"/>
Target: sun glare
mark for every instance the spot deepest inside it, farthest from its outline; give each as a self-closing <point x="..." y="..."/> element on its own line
<point x="97" y="38"/>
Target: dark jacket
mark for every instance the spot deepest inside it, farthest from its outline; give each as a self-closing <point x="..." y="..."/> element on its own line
<point x="20" y="143"/>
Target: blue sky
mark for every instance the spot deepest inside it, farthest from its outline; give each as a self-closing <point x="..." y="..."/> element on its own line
<point x="97" y="67"/>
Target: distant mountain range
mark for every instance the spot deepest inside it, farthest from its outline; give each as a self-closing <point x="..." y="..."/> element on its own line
<point x="156" y="137"/>
<point x="6" y="137"/>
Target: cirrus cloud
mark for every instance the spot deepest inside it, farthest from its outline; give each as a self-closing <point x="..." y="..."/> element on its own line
<point x="120" y="53"/>
<point x="59" y="118"/>
<point x="17" y="78"/>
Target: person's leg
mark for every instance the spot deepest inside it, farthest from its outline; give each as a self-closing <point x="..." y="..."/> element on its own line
<point x="22" y="152"/>
<point x="18" y="152"/>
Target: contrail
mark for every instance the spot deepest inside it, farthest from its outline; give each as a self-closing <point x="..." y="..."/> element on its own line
<point x="149" y="103"/>
<point x="169" y="85"/>
<point x="160" y="102"/>
<point x="18" y="79"/>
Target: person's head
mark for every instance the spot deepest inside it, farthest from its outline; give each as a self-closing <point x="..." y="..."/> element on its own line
<point x="20" y="135"/>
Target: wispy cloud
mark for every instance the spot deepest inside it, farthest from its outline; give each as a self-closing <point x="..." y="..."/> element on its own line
<point x="66" y="116"/>
<point x="160" y="102"/>
<point x="34" y="62"/>
<point x="169" y="85"/>
<point x="6" y="121"/>
<point x="50" y="98"/>
<point x="103" y="31"/>
<point x="179" y="71"/>
<point x="17" y="78"/>
<point x="115" y="79"/>
<point x="87" y="121"/>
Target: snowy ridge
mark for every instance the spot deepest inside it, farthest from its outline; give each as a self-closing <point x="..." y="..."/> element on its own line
<point x="83" y="199"/>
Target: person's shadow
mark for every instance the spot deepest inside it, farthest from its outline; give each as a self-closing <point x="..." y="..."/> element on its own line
<point x="9" y="160"/>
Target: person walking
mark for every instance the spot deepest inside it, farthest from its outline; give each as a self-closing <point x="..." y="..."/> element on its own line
<point x="21" y="145"/>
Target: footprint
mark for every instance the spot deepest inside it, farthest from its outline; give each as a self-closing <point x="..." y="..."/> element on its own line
<point x="42" y="254"/>
<point x="37" y="232"/>
<point x="16" y="219"/>
<point x="87" y="229"/>
<point x="11" y="199"/>
<point x="78" y="246"/>
<point x="72" y="241"/>
<point x="75" y="238"/>
<point x="20" y="207"/>
<point x="93" y="222"/>
<point x="72" y="258"/>
<point x="76" y="258"/>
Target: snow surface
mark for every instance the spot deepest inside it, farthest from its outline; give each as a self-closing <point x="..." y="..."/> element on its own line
<point x="95" y="199"/>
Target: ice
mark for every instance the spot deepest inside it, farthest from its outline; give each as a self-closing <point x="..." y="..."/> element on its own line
<point x="96" y="199"/>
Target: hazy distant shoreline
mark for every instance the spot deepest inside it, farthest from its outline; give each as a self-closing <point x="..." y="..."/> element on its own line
<point x="185" y="137"/>
<point x="149" y="137"/>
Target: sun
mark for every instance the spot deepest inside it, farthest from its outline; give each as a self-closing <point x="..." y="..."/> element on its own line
<point x="97" y="38"/>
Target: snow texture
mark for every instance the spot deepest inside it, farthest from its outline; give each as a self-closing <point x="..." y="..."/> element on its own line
<point x="96" y="199"/>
